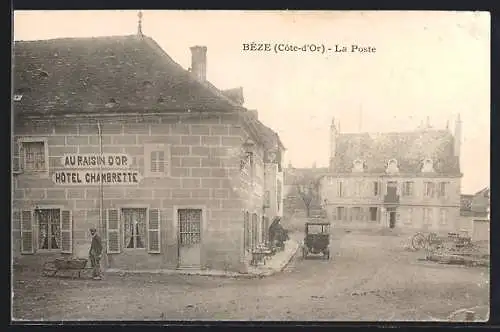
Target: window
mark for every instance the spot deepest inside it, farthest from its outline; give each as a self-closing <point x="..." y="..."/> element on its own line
<point x="408" y="188"/>
<point x="392" y="188"/>
<point x="55" y="230"/>
<point x="340" y="213"/>
<point x="189" y="226"/>
<point x="442" y="189"/>
<point x="429" y="189"/>
<point x="356" y="213"/>
<point x="49" y="229"/>
<point x="409" y="216"/>
<point x="443" y="220"/>
<point x="376" y="188"/>
<point x="247" y="230"/>
<point x="427" y="216"/>
<point x="255" y="233"/>
<point x="373" y="213"/>
<point x="340" y="189"/>
<point x="33" y="155"/>
<point x="134" y="228"/>
<point x="358" y="186"/>
<point x="156" y="160"/>
<point x="278" y="194"/>
<point x="392" y="166"/>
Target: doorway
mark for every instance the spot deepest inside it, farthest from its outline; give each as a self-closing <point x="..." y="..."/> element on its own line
<point x="392" y="219"/>
<point x="189" y="225"/>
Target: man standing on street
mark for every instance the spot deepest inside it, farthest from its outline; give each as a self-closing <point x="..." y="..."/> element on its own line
<point x="95" y="254"/>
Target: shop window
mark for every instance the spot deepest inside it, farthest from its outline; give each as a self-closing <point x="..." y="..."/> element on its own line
<point x="157" y="160"/>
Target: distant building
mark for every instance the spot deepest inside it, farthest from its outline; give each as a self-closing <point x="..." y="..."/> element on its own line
<point x="111" y="132"/>
<point x="405" y="180"/>
<point x="476" y="205"/>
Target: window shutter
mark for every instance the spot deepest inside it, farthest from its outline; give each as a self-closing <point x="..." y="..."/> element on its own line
<point x="27" y="238"/>
<point x="16" y="158"/>
<point x="66" y="232"/>
<point x="154" y="245"/>
<point x="113" y="231"/>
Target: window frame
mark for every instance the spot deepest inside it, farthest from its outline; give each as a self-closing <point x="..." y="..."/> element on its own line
<point x="21" y="154"/>
<point x="150" y="148"/>
<point x="36" y="228"/>
<point x="427" y="185"/>
<point x="408" y="185"/>
<point x="441" y="214"/>
<point x="370" y="209"/>
<point x="121" y="226"/>
<point x="445" y="191"/>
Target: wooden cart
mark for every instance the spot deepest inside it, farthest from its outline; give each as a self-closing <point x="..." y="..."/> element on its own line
<point x="75" y="265"/>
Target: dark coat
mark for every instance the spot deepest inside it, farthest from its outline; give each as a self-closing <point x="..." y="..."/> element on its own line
<point x="96" y="246"/>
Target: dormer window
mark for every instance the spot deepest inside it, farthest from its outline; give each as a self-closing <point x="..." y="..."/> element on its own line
<point x="111" y="103"/>
<point x="392" y="166"/>
<point x="18" y="97"/>
<point x="427" y="166"/>
<point x="358" y="165"/>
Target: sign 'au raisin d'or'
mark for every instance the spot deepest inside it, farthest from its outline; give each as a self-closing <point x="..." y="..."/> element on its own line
<point x="91" y="169"/>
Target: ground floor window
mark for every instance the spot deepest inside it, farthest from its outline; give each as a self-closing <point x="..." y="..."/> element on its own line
<point x="373" y="213"/>
<point x="427" y="216"/>
<point x="134" y="228"/>
<point x="255" y="233"/>
<point x="341" y="213"/>
<point x="189" y="226"/>
<point x="443" y="220"/>
<point x="247" y="231"/>
<point x="356" y="213"/>
<point x="45" y="229"/>
<point x="409" y="216"/>
<point x="49" y="229"/>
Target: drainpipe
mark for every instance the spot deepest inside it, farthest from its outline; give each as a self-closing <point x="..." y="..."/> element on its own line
<point x="101" y="199"/>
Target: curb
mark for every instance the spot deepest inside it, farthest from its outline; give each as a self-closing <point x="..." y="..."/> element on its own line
<point x="234" y="275"/>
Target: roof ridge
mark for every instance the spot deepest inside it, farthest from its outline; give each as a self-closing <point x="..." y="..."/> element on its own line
<point x="77" y="38"/>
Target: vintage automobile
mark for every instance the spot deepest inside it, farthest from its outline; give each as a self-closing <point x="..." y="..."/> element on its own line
<point x="317" y="239"/>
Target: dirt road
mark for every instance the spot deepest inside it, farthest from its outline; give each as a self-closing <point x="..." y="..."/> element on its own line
<point x="369" y="277"/>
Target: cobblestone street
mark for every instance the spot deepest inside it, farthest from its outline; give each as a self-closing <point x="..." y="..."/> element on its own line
<point x="369" y="277"/>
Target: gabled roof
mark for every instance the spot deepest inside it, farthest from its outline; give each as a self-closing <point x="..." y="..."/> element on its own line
<point x="408" y="148"/>
<point x="118" y="73"/>
<point x="483" y="192"/>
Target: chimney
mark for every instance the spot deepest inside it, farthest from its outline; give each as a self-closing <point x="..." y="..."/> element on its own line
<point x="199" y="62"/>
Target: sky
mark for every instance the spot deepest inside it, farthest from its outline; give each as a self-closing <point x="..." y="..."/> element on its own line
<point x="426" y="64"/>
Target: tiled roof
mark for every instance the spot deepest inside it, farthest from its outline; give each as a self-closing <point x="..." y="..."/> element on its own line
<point x="408" y="148"/>
<point x="126" y="72"/>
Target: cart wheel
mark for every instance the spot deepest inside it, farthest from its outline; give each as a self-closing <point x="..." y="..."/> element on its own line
<point x="418" y="241"/>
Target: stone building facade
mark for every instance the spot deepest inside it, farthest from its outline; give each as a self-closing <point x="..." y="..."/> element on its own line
<point x="111" y="133"/>
<point x="405" y="180"/>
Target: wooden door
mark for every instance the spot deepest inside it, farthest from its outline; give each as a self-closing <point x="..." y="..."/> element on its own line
<point x="189" y="225"/>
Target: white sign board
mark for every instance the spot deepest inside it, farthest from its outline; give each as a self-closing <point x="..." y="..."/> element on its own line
<point x="95" y="169"/>
<point x="96" y="160"/>
<point x="94" y="178"/>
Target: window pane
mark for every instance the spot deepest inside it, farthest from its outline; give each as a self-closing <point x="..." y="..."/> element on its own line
<point x="34" y="155"/>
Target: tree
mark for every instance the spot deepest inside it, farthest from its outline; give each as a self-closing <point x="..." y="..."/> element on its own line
<point x="307" y="188"/>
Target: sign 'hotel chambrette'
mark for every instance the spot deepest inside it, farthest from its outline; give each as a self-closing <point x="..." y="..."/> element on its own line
<point x="106" y="168"/>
